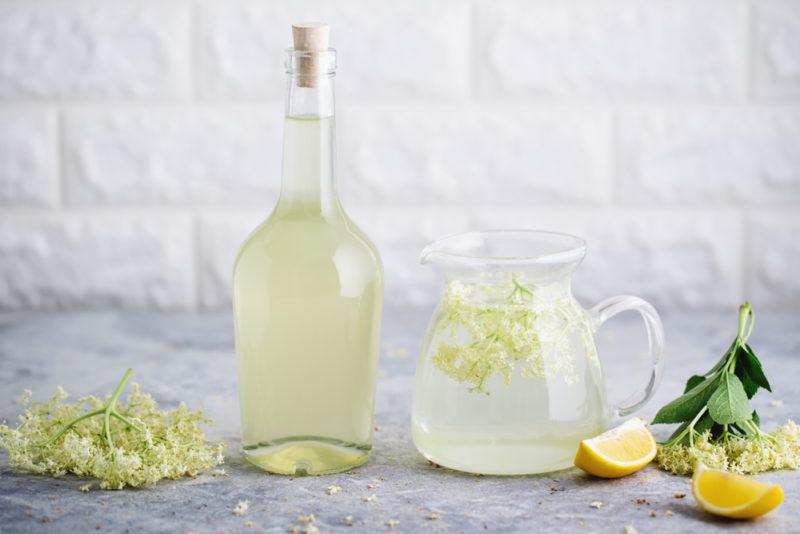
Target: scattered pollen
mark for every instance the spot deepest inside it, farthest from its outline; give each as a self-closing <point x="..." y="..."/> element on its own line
<point x="241" y="508"/>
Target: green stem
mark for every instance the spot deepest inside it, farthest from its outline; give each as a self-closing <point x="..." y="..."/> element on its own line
<point x="107" y="411"/>
<point x="125" y="420"/>
<point x="745" y="326"/>
<point x="69" y="426"/>
<point x="689" y="429"/>
<point x="520" y="287"/>
<point x="112" y="402"/>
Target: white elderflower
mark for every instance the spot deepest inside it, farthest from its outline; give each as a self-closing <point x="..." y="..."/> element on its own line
<point x="140" y="445"/>
<point x="241" y="508"/>
<point x="509" y="326"/>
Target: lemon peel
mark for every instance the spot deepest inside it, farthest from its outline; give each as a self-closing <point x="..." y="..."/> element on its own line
<point x="731" y="495"/>
<point x="618" y="452"/>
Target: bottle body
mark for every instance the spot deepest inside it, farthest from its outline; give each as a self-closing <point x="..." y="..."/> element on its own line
<point x="307" y="301"/>
<point x="307" y="298"/>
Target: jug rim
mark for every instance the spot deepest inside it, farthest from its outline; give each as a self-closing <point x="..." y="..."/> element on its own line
<point x="536" y="247"/>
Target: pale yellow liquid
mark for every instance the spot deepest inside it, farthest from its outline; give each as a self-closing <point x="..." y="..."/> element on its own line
<point x="532" y="425"/>
<point x="307" y="304"/>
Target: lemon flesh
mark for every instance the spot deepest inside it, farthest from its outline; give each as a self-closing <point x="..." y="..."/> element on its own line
<point x="618" y="452"/>
<point x="731" y="495"/>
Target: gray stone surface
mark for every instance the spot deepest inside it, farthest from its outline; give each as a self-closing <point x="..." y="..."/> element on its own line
<point x="190" y="357"/>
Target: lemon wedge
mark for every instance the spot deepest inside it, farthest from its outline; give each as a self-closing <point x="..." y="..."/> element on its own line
<point x="730" y="495"/>
<point x="620" y="451"/>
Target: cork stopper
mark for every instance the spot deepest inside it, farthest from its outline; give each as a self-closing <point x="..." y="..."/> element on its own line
<point x="312" y="38"/>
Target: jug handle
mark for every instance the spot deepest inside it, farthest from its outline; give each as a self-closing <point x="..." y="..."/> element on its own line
<point x="607" y="309"/>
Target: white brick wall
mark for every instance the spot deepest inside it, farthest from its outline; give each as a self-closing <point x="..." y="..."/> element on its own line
<point x="140" y="141"/>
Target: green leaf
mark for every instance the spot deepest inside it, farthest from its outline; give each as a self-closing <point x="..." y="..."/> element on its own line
<point x="728" y="404"/>
<point x="693" y="382"/>
<point x="756" y="419"/>
<point x="750" y="387"/>
<point x="753" y="366"/>
<point x="687" y="406"/>
<point x="705" y="423"/>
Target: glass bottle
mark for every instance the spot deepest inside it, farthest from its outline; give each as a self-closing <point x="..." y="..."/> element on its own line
<point x="307" y="296"/>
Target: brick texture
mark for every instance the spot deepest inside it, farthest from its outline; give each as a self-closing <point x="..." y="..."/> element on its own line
<point x="777" y="62"/>
<point x="28" y="158"/>
<point x="612" y="48"/>
<point x="140" y="141"/>
<point x="475" y="155"/>
<point x="774" y="259"/>
<point x="414" y="48"/>
<point x="66" y="260"/>
<point x="94" y="49"/>
<point x="206" y="156"/>
<point x="710" y="156"/>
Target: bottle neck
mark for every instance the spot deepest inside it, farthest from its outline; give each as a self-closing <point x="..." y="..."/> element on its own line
<point x="308" y="181"/>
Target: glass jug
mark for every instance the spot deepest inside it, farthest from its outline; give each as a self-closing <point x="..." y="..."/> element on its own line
<point x="508" y="381"/>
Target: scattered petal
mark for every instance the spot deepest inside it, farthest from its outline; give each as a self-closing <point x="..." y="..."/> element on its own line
<point x="241" y="508"/>
<point x="596" y="504"/>
<point x="333" y="490"/>
<point x="392" y="523"/>
<point x="370" y="498"/>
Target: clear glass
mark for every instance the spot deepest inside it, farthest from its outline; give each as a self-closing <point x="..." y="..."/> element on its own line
<point x="307" y="296"/>
<point x="508" y="380"/>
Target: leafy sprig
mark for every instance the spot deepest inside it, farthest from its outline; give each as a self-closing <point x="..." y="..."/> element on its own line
<point x="718" y="426"/>
<point x="718" y="401"/>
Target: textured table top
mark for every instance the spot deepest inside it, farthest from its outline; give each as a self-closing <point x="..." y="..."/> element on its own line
<point x="190" y="357"/>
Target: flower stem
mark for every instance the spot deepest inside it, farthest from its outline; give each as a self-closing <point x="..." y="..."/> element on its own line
<point x="688" y="430"/>
<point x="107" y="411"/>
<point x="746" y="327"/>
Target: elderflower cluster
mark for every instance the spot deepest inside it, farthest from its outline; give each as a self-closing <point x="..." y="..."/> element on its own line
<point x="743" y="455"/>
<point x="167" y="444"/>
<point x="489" y="329"/>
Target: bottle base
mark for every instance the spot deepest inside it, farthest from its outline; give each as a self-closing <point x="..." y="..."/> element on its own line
<point x="307" y="455"/>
